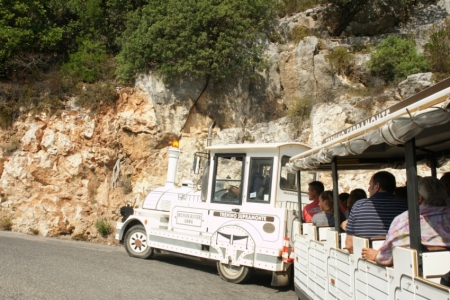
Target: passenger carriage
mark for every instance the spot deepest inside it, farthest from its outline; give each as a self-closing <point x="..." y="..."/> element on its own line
<point x="416" y="130"/>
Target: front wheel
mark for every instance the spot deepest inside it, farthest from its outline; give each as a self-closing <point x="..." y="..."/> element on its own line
<point x="136" y="242"/>
<point x="234" y="274"/>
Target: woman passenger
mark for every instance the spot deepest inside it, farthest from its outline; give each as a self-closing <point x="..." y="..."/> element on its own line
<point x="326" y="216"/>
<point x="355" y="195"/>
<point x="434" y="223"/>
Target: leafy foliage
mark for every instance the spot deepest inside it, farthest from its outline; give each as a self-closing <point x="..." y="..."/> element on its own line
<point x="396" y="58"/>
<point x="340" y="60"/>
<point x="6" y="224"/>
<point x="298" y="33"/>
<point x="34" y="231"/>
<point x="361" y="47"/>
<point x="286" y="7"/>
<point x="33" y="34"/>
<point x="437" y="50"/>
<point x="203" y="38"/>
<point x="96" y="95"/>
<point x="90" y="62"/>
<point x="104" y="227"/>
<point x="346" y="10"/>
<point x="301" y="109"/>
<point x="25" y="28"/>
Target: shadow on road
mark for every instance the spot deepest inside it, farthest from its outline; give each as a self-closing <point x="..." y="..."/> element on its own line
<point x="261" y="277"/>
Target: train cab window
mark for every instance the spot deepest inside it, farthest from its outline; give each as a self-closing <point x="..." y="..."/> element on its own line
<point x="227" y="180"/>
<point x="288" y="181"/>
<point x="260" y="180"/>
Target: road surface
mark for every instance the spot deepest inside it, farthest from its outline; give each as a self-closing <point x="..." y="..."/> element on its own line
<point x="33" y="267"/>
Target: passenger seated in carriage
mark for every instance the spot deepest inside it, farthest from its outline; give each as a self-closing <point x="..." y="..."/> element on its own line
<point x="343" y="201"/>
<point x="355" y="195"/>
<point x="434" y="223"/>
<point x="315" y="188"/>
<point x="372" y="217"/>
<point x="326" y="216"/>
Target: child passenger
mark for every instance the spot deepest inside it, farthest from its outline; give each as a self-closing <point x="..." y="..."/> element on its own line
<point x="326" y="216"/>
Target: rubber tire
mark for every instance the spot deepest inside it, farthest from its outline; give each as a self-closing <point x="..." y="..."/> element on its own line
<point x="137" y="235"/>
<point x="236" y="274"/>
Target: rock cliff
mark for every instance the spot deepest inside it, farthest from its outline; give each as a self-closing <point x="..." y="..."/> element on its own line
<point x="62" y="173"/>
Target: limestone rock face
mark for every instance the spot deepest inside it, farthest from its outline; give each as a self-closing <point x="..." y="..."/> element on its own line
<point x="414" y="84"/>
<point x="331" y="118"/>
<point x="72" y="169"/>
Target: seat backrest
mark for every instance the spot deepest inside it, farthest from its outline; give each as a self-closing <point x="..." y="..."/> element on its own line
<point x="376" y="242"/>
<point x="322" y="232"/>
<point x="435" y="265"/>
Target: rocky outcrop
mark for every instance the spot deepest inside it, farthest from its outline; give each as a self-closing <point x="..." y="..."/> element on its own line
<point x="75" y="168"/>
<point x="414" y="84"/>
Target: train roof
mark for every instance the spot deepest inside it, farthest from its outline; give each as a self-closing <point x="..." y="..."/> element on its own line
<point x="247" y="147"/>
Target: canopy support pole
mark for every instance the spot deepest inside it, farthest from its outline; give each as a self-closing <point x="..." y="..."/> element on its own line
<point x="413" y="198"/>
<point x="299" y="199"/>
<point x="337" y="209"/>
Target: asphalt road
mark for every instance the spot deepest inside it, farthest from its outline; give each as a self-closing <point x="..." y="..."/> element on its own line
<point x="33" y="267"/>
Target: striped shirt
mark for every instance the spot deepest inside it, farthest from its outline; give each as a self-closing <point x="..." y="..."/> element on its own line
<point x="373" y="217"/>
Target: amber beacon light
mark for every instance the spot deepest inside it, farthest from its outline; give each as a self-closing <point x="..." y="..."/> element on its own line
<point x="175" y="144"/>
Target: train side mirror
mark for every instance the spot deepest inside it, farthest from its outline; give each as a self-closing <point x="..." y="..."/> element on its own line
<point x="196" y="164"/>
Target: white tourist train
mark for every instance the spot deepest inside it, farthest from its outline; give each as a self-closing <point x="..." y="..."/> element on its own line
<point x="416" y="130"/>
<point x="243" y="216"/>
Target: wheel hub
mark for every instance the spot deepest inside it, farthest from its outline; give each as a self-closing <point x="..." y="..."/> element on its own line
<point x="138" y="242"/>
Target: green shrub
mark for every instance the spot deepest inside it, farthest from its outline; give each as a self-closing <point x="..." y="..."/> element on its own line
<point x="301" y="109"/>
<point x="322" y="44"/>
<point x="90" y="62"/>
<point x="34" y="231"/>
<point x="298" y="33"/>
<point x="361" y="47"/>
<point x="287" y="7"/>
<point x="395" y="58"/>
<point x="205" y="39"/>
<point x="12" y="146"/>
<point x="340" y="61"/>
<point x="104" y="227"/>
<point x="437" y="50"/>
<point x="96" y="95"/>
<point x="6" y="224"/>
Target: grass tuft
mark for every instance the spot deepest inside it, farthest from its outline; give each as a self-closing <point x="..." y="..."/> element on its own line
<point x="104" y="227"/>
